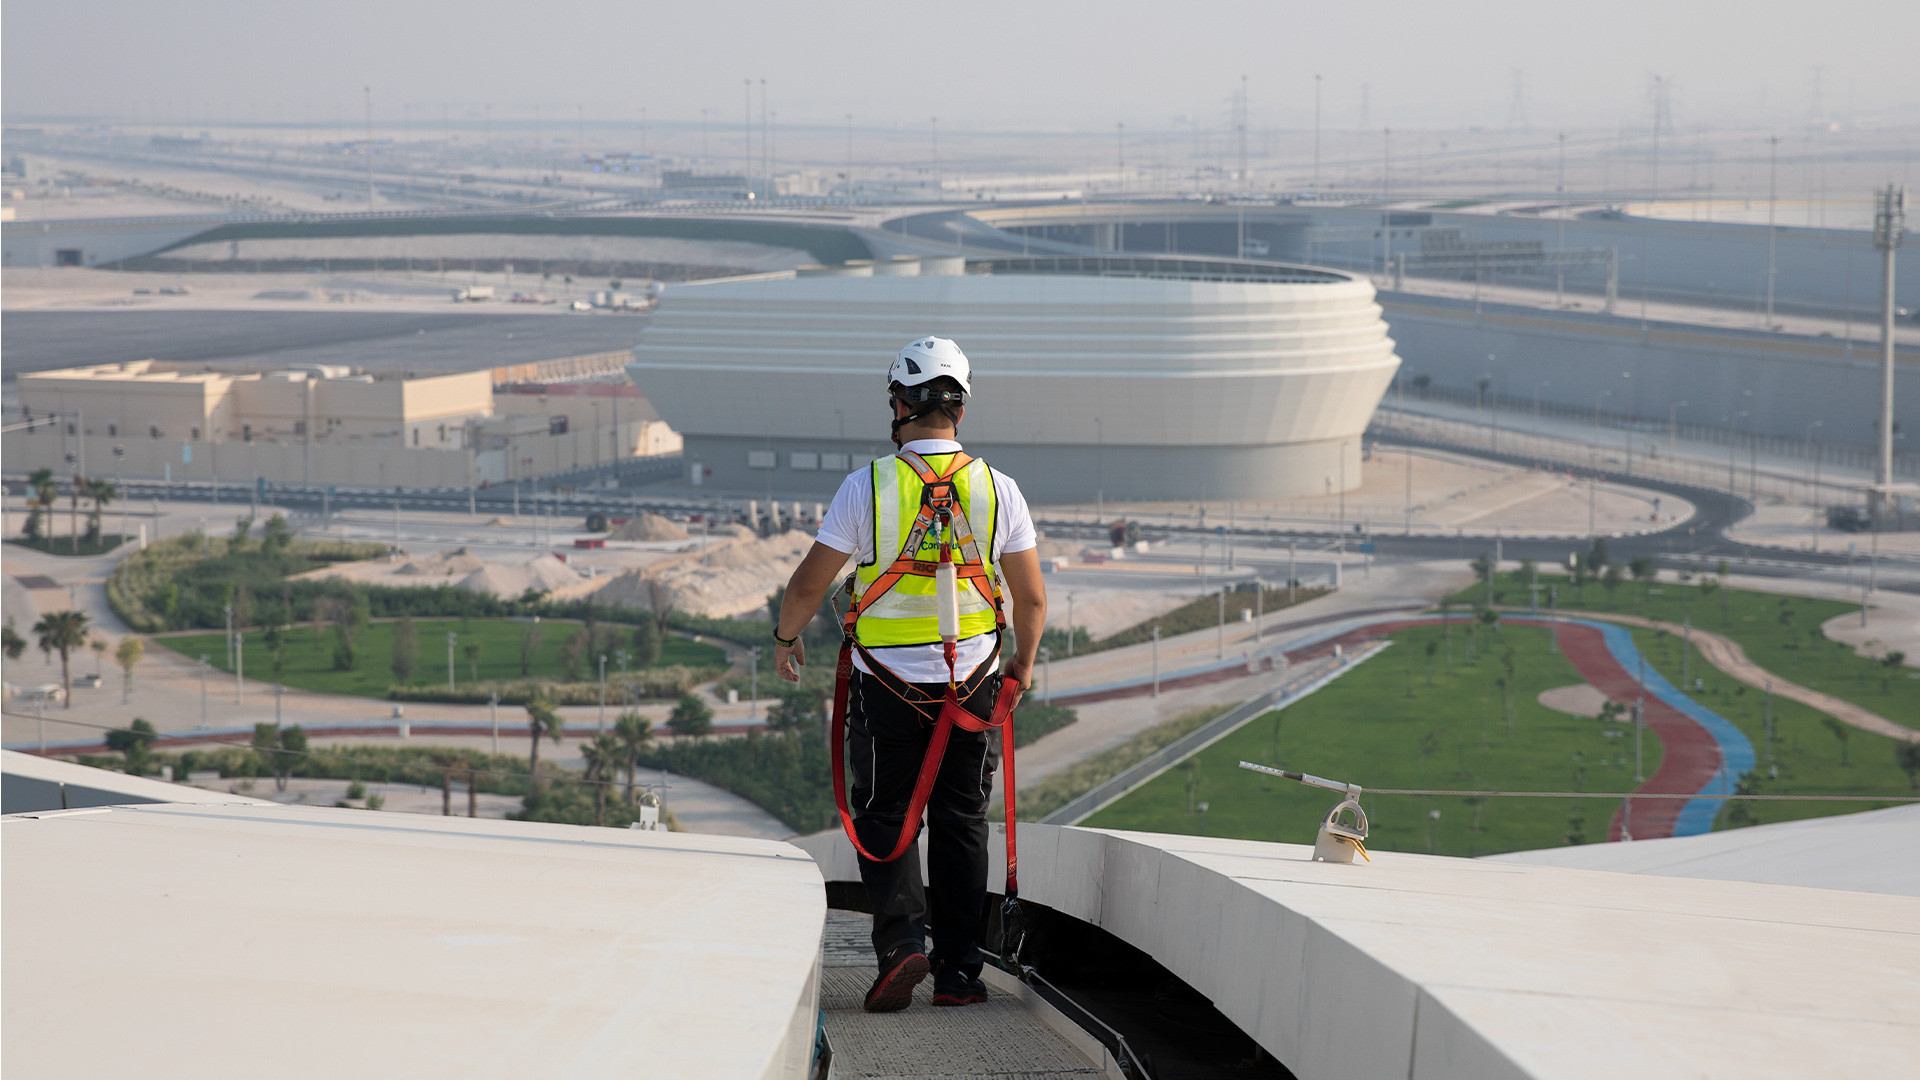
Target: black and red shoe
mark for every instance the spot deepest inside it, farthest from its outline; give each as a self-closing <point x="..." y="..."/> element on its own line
<point x="958" y="988"/>
<point x="900" y="972"/>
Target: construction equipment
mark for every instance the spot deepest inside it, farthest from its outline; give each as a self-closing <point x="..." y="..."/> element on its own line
<point x="1345" y="829"/>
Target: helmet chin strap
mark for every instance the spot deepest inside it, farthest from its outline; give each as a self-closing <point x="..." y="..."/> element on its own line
<point x="902" y="421"/>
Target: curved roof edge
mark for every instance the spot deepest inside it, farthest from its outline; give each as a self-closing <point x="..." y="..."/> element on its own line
<point x="1437" y="968"/>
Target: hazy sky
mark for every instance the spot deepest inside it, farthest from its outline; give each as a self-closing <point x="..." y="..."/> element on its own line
<point x="988" y="64"/>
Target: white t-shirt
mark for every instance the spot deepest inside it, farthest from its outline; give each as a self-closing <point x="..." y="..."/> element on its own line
<point x="848" y="527"/>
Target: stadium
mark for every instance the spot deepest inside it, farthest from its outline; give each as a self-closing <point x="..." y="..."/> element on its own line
<point x="1099" y="377"/>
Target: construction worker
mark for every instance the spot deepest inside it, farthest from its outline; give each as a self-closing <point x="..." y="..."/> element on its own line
<point x="901" y="670"/>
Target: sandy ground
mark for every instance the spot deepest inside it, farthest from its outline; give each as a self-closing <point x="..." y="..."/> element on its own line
<point x="1580" y="699"/>
<point x="1450" y="493"/>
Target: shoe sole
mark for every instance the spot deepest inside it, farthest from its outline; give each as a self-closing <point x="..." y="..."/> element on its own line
<point x="895" y="990"/>
<point x="946" y="1000"/>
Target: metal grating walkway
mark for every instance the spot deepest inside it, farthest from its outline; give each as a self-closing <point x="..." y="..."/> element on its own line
<point x="1002" y="1039"/>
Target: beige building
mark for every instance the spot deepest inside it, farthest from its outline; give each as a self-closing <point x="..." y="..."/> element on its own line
<point x="321" y="424"/>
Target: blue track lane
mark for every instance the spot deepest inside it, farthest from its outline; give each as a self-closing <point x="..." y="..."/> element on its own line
<point x="1736" y="753"/>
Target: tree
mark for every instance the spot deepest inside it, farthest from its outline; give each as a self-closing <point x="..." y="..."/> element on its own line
<point x="100" y="493"/>
<point x="63" y="632"/>
<point x="406" y="646"/>
<point x="691" y="716"/>
<point x="276" y="534"/>
<point x="40" y="495"/>
<point x="281" y="748"/>
<point x="602" y="756"/>
<point x="1908" y="755"/>
<point x="346" y="618"/>
<point x="529" y="643"/>
<point x="128" y="654"/>
<point x="646" y="644"/>
<point x="573" y="652"/>
<point x="133" y="742"/>
<point x="98" y="645"/>
<point x="542" y="719"/>
<point x="1610" y="580"/>
<point x="11" y="641"/>
<point x="798" y="706"/>
<point x="242" y="529"/>
<point x="1645" y="570"/>
<point x="471" y="651"/>
<point x="1843" y="733"/>
<point x="275" y="638"/>
<point x="1598" y="555"/>
<point x="1510" y="663"/>
<point x="1482" y="568"/>
<point x="634" y="731"/>
<point x="1432" y="647"/>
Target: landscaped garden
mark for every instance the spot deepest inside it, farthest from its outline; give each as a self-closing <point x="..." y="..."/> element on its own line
<point x="1408" y="719"/>
<point x="392" y="653"/>
<point x="1779" y="633"/>
<point x="1386" y="724"/>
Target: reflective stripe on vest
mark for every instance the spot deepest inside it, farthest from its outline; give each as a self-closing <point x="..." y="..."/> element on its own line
<point x="906" y="614"/>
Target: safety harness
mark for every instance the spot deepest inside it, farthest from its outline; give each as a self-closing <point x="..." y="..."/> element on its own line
<point x="939" y="510"/>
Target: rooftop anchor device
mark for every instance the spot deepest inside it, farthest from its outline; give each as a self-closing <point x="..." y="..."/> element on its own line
<point x="1337" y="839"/>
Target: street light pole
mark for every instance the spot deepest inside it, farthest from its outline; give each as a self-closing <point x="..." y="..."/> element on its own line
<point x="600" y="724"/>
<point x="1156" y="661"/>
<point x="451" y="637"/>
<point x="753" y="685"/>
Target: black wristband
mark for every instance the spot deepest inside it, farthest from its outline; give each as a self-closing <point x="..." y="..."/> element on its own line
<point x="785" y="643"/>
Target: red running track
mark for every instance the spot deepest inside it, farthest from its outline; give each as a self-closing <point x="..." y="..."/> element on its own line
<point x="1690" y="759"/>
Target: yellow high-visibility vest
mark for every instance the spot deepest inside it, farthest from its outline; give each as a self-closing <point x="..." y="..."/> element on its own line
<point x="905" y="613"/>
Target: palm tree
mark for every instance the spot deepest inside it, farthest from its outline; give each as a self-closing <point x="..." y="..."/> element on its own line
<point x="101" y="492"/>
<point x="633" y="731"/>
<point x="602" y="756"/>
<point x="40" y="495"/>
<point x="541" y="720"/>
<point x="63" y="632"/>
<point x="129" y="653"/>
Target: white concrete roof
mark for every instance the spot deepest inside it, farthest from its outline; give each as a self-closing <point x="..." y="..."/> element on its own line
<point x="1433" y="967"/>
<point x="188" y="941"/>
<point x="1875" y="851"/>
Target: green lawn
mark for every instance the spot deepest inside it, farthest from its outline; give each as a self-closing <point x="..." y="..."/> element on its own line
<point x="309" y="655"/>
<point x="1806" y="752"/>
<point x="1364" y="728"/>
<point x="1780" y="633"/>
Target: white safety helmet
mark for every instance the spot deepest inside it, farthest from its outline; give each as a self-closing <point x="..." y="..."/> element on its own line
<point x="928" y="358"/>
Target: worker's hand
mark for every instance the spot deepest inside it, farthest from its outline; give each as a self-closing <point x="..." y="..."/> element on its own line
<point x="1019" y="671"/>
<point x="785" y="659"/>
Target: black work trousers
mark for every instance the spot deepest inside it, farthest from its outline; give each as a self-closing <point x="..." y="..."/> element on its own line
<point x="886" y="740"/>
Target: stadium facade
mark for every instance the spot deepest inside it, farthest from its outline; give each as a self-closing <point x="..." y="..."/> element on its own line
<point x="1116" y="377"/>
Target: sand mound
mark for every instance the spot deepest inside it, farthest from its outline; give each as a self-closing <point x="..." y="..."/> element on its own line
<point x="649" y="527"/>
<point x="543" y="573"/>
<point x="732" y="579"/>
<point x="448" y="563"/>
<point x="747" y="553"/>
<point x="499" y="521"/>
<point x="736" y="530"/>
